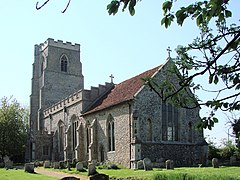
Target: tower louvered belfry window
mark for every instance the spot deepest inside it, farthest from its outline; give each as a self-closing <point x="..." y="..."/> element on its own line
<point x="64" y="63"/>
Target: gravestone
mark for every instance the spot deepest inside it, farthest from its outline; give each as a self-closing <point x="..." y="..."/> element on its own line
<point x="99" y="177"/>
<point x="161" y="162"/>
<point x="79" y="166"/>
<point x="147" y="164"/>
<point x="47" y="164"/>
<point x="8" y="164"/>
<point x="140" y="164"/>
<point x="62" y="165"/>
<point x="56" y="165"/>
<point x="91" y="169"/>
<point x="169" y="164"/>
<point x="70" y="178"/>
<point x="215" y="163"/>
<point x="29" y="167"/>
<point x="74" y="162"/>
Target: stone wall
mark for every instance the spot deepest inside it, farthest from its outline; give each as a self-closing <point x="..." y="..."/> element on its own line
<point x="122" y="121"/>
<point x="181" y="154"/>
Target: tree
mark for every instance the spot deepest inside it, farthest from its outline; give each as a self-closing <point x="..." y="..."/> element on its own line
<point x="234" y="121"/>
<point x="214" y="54"/>
<point x="13" y="129"/>
<point x="213" y="151"/>
<point x="227" y="150"/>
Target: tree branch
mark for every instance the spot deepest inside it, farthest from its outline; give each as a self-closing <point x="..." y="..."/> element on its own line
<point x="41" y="5"/>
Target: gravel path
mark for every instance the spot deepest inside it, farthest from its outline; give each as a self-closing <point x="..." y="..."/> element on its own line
<point x="58" y="174"/>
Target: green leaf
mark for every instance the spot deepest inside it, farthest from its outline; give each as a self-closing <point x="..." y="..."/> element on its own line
<point x="131" y="7"/>
<point x="228" y="13"/>
<point x="166" y="6"/>
<point x="215" y="120"/>
<point x="199" y="20"/>
<point x="113" y="7"/>
<point x="215" y="79"/>
<point x="181" y="16"/>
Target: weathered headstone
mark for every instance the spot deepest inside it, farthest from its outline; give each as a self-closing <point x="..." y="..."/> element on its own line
<point x="47" y="164"/>
<point x="56" y="165"/>
<point x="6" y="159"/>
<point x="99" y="177"/>
<point x="69" y="164"/>
<point x="29" y="167"/>
<point x="62" y="165"/>
<point x="9" y="164"/>
<point x="147" y="164"/>
<point x="79" y="166"/>
<point x="74" y="162"/>
<point x="140" y="164"/>
<point x="161" y="162"/>
<point x="215" y="163"/>
<point x="169" y="164"/>
<point x="91" y="169"/>
<point x="70" y="178"/>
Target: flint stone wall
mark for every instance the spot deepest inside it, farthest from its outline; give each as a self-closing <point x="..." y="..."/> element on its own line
<point x="181" y="154"/>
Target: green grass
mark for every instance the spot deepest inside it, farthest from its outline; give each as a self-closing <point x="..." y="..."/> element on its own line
<point x="19" y="174"/>
<point x="204" y="173"/>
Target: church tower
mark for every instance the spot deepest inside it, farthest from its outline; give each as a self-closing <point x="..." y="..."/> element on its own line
<point x="57" y="73"/>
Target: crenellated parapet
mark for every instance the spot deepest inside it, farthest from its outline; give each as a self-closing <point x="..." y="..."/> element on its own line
<point x="59" y="44"/>
<point x="68" y="101"/>
<point x="83" y="95"/>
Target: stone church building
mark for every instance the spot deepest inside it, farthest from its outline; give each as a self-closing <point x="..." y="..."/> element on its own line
<point x="122" y="123"/>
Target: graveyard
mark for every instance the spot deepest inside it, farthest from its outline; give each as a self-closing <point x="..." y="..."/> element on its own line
<point x="47" y="170"/>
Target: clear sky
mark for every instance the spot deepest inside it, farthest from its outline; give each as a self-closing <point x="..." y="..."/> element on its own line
<point x="120" y="45"/>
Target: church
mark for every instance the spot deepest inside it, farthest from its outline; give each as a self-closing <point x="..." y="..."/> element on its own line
<point x="121" y="123"/>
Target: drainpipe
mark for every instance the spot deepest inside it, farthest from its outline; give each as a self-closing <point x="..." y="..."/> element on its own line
<point x="130" y="130"/>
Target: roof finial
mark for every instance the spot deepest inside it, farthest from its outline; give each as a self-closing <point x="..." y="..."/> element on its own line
<point x="169" y="51"/>
<point x="111" y="76"/>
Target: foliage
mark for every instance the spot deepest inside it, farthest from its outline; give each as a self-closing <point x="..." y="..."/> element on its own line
<point x="227" y="150"/>
<point x="218" y="47"/>
<point x="235" y="123"/>
<point x="213" y="151"/>
<point x="13" y="128"/>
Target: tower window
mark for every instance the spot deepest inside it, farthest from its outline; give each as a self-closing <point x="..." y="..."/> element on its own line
<point x="64" y="63"/>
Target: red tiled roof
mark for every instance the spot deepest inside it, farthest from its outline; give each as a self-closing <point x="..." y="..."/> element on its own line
<point x="122" y="92"/>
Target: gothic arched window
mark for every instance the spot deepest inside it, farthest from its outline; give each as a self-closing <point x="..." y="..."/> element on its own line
<point x="190" y="132"/>
<point x="169" y="122"/>
<point x="74" y="131"/>
<point x="64" y="63"/>
<point x="88" y="133"/>
<point x="61" y="134"/>
<point x="111" y="133"/>
<point x="149" y="130"/>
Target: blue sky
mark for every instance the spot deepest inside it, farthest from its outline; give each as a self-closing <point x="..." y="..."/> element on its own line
<point x="120" y="45"/>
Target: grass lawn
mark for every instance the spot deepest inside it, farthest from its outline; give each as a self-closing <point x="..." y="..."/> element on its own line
<point x="204" y="173"/>
<point x="19" y="174"/>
